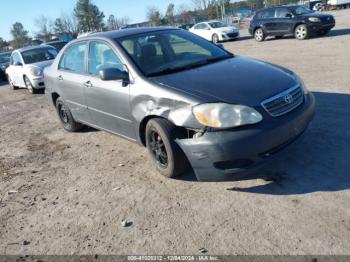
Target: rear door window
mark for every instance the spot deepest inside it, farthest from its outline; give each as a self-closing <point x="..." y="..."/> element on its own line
<point x="266" y="14"/>
<point x="282" y="13"/>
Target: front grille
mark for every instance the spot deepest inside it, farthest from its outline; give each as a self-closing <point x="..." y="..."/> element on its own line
<point x="232" y="34"/>
<point x="284" y="102"/>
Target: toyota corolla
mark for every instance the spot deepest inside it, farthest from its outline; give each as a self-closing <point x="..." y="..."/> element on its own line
<point x="189" y="101"/>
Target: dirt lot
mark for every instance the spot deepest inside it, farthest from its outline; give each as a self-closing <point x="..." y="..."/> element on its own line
<point x="73" y="190"/>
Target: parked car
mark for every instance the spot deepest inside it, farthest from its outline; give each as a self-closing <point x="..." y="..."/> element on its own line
<point x="26" y="67"/>
<point x="186" y="26"/>
<point x="56" y="44"/>
<point x="290" y="19"/>
<point x="4" y="63"/>
<point x="215" y="31"/>
<point x="187" y="100"/>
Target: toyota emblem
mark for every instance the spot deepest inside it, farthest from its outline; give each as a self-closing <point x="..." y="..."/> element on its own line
<point x="288" y="98"/>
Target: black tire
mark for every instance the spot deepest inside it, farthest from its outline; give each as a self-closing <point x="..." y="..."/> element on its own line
<point x="29" y="86"/>
<point x="66" y="118"/>
<point x="11" y="84"/>
<point x="170" y="161"/>
<point x="259" y="35"/>
<point x="301" y="32"/>
<point x="215" y="38"/>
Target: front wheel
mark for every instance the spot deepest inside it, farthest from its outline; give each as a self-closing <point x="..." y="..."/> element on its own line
<point x="29" y="86"/>
<point x="215" y="38"/>
<point x="160" y="141"/>
<point x="259" y="35"/>
<point x="66" y="117"/>
<point x="301" y="32"/>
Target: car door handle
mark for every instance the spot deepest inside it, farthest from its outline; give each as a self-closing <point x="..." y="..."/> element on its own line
<point x="88" y="84"/>
<point x="59" y="78"/>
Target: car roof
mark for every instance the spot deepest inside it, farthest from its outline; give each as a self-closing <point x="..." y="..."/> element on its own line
<point x="28" y="48"/>
<point x="54" y="42"/>
<point x="127" y="32"/>
<point x="5" y="53"/>
<point x="277" y="6"/>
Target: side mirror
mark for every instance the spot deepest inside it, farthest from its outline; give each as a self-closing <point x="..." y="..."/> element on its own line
<point x="208" y="28"/>
<point x="109" y="74"/>
<point x="289" y="15"/>
<point x="18" y="64"/>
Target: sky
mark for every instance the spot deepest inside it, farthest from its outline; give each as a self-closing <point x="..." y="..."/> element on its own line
<point x="25" y="11"/>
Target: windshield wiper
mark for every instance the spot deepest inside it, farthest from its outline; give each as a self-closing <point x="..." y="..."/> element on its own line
<point x="169" y="70"/>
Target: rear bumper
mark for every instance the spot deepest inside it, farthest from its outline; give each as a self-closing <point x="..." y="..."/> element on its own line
<point x="218" y="156"/>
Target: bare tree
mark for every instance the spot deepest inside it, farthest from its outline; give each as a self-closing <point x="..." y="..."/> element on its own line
<point x="183" y="14"/>
<point x="121" y="22"/>
<point x="71" y="24"/>
<point x="45" y="26"/>
<point x="154" y="16"/>
<point x="201" y="4"/>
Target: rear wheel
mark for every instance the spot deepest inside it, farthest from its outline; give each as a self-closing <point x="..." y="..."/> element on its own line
<point x="259" y="35"/>
<point x="215" y="38"/>
<point x="66" y="117"/>
<point x="29" y="85"/>
<point x="301" y="32"/>
<point x="169" y="159"/>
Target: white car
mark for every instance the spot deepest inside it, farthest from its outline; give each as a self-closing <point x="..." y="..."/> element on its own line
<point x="27" y="66"/>
<point x="215" y="31"/>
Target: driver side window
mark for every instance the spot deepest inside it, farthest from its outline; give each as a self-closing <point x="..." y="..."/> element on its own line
<point x="101" y="56"/>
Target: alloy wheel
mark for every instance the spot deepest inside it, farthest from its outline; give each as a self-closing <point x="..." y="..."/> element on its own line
<point x="259" y="35"/>
<point x="301" y="32"/>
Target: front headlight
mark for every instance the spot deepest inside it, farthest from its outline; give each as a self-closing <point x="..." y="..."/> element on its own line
<point x="221" y="115"/>
<point x="36" y="71"/>
<point x="314" y="19"/>
<point x="301" y="83"/>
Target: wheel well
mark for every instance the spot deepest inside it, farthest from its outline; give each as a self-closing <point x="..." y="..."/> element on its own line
<point x="297" y="25"/>
<point x="54" y="98"/>
<point x="256" y="28"/>
<point x="142" y="128"/>
<point x="182" y="132"/>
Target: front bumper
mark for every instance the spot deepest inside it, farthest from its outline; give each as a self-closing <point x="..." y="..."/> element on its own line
<point x="220" y="155"/>
<point x="320" y="27"/>
<point x="229" y="36"/>
<point x="38" y="82"/>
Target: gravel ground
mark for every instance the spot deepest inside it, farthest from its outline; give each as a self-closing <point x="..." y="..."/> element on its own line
<point x="65" y="193"/>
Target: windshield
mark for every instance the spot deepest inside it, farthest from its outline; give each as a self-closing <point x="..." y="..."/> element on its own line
<point x="216" y="24"/>
<point x="301" y="10"/>
<point x="39" y="55"/>
<point x="166" y="52"/>
<point x="5" y="58"/>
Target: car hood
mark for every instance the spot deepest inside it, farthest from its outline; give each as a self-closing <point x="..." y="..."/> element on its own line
<point x="227" y="29"/>
<point x="237" y="80"/>
<point x="41" y="64"/>
<point x="319" y="15"/>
